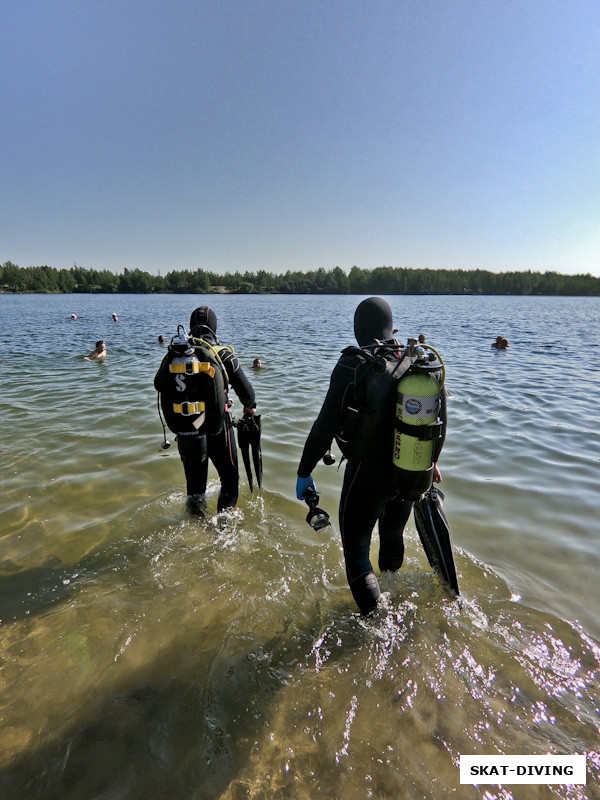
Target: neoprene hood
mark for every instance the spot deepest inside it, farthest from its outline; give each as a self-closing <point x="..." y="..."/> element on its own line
<point x="205" y="319"/>
<point x="373" y="320"/>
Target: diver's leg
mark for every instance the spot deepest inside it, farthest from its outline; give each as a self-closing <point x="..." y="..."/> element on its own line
<point x="222" y="452"/>
<point x="392" y="520"/>
<point x="193" y="454"/>
<point x="360" y="505"/>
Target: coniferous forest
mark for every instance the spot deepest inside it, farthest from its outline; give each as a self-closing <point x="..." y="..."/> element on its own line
<point x="380" y="280"/>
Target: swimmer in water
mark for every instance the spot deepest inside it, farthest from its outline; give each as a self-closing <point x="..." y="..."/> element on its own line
<point x="99" y="354"/>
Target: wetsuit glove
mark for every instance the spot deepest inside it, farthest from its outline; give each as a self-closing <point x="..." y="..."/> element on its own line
<point x="303" y="485"/>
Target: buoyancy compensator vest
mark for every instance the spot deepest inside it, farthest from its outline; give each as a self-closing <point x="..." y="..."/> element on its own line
<point x="192" y="383"/>
<point x="368" y="415"/>
<point x="397" y="411"/>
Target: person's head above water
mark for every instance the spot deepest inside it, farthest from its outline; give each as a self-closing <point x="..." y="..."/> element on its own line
<point x="203" y="322"/>
<point x="372" y="320"/>
<point x="99" y="353"/>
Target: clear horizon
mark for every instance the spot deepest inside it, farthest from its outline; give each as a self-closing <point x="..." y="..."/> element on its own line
<point x="238" y="137"/>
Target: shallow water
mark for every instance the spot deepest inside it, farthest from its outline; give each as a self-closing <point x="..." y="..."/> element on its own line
<point x="147" y="655"/>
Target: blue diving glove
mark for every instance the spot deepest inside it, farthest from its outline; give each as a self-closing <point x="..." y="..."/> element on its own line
<point x="303" y="485"/>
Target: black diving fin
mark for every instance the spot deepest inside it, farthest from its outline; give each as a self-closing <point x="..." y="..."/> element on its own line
<point x="256" y="448"/>
<point x="248" y="435"/>
<point x="434" y="532"/>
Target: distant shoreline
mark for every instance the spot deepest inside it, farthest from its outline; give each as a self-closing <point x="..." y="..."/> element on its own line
<point x="358" y="281"/>
<point x="313" y="293"/>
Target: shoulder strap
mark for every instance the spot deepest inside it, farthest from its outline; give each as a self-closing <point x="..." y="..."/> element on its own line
<point x="215" y="351"/>
<point x="224" y="350"/>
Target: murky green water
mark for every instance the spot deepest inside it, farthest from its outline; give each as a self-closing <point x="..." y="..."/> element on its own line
<point x="146" y="655"/>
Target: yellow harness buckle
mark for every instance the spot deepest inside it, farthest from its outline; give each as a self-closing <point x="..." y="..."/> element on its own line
<point x="189" y="409"/>
<point x="192" y="367"/>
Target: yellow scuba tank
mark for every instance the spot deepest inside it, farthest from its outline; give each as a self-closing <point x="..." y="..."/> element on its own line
<point x="418" y="426"/>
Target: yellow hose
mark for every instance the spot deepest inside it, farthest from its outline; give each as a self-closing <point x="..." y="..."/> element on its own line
<point x="439" y="358"/>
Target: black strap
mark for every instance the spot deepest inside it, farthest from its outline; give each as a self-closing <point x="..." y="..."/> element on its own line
<point x="425" y="433"/>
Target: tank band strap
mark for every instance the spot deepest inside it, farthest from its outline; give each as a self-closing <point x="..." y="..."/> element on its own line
<point x="425" y="433"/>
<point x="192" y="367"/>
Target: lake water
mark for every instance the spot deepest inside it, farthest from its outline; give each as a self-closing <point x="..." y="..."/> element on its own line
<point x="145" y="654"/>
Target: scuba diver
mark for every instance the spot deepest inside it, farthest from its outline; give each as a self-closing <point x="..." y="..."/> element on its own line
<point x="372" y="406"/>
<point x="193" y="381"/>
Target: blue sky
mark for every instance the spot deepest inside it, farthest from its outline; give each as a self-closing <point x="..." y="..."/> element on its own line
<point x="275" y="134"/>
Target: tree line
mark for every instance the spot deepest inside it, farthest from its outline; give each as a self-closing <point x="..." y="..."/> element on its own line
<point x="380" y="280"/>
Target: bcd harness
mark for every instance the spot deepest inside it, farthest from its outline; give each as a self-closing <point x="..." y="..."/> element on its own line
<point x="397" y="411"/>
<point x="192" y="385"/>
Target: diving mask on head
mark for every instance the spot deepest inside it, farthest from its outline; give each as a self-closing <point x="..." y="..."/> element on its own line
<point x="316" y="517"/>
<point x="329" y="458"/>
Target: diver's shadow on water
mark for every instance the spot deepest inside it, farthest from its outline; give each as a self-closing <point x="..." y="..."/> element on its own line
<point x="194" y="723"/>
<point x="184" y="730"/>
<point x="25" y="593"/>
<point x="183" y="726"/>
<point x="178" y="732"/>
<point x="35" y="590"/>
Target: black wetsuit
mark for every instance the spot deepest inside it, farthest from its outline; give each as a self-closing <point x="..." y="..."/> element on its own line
<point x="221" y="448"/>
<point x="368" y="495"/>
